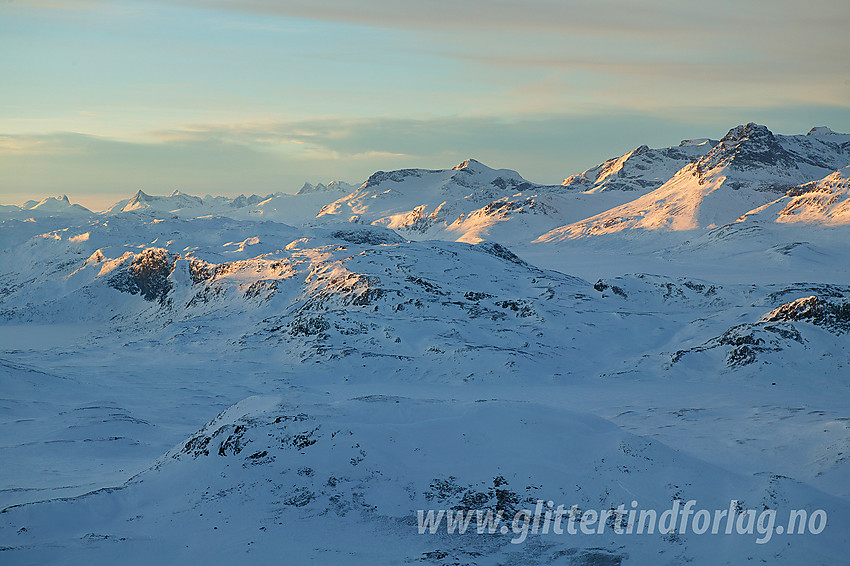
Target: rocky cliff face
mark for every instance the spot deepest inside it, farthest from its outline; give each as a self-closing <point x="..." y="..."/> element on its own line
<point x="147" y="274"/>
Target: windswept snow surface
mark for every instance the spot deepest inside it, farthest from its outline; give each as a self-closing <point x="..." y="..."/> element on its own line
<point x="290" y="378"/>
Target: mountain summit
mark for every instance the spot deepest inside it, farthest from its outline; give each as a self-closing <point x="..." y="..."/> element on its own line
<point x="333" y="186"/>
<point x="471" y="165"/>
<point x="746" y="148"/>
<point x="641" y="170"/>
<point x="748" y="168"/>
<point x="821" y="131"/>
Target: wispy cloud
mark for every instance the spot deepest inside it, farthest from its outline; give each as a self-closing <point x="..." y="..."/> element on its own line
<point x="34" y="144"/>
<point x="585" y="17"/>
<point x="688" y="52"/>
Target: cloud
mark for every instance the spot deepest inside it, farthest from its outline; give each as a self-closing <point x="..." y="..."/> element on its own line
<point x="584" y="134"/>
<point x="687" y="22"/>
<point x="29" y="145"/>
<point x="725" y="51"/>
<point x="585" y="17"/>
<point x="441" y="57"/>
<point x="800" y="34"/>
<point x="63" y="5"/>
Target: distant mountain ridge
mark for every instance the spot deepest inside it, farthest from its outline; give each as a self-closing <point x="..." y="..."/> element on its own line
<point x="748" y="168"/>
<point x="46" y="207"/>
<point x="641" y="169"/>
<point x="701" y="183"/>
<point x="338" y="186"/>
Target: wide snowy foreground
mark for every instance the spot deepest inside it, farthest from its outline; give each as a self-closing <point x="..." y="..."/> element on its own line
<point x="293" y="378"/>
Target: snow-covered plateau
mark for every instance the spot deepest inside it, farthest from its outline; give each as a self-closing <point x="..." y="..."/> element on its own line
<point x="293" y="378"/>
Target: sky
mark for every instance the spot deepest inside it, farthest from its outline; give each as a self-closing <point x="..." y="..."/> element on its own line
<point x="99" y="99"/>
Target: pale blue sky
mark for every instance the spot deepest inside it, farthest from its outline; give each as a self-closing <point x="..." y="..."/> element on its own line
<point x="99" y="99"/>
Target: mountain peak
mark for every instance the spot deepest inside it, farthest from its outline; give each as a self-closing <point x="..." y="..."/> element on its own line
<point x="338" y="186"/>
<point x="470" y="165"/>
<point x="51" y="203"/>
<point x="748" y="131"/>
<point x="322" y="188"/>
<point x="140" y="196"/>
<point x="746" y="147"/>
<point x="698" y="142"/>
<point x="821" y="131"/>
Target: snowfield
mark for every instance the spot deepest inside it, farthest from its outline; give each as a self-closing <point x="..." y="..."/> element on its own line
<point x="292" y="378"/>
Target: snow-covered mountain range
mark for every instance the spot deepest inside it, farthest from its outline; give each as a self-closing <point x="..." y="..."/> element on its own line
<point x="748" y="168"/>
<point x="292" y="376"/>
<point x="49" y="206"/>
<point x="698" y="184"/>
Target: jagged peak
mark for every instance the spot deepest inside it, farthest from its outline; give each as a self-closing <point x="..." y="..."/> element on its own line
<point x="745" y="132"/>
<point x="746" y="147"/>
<point x="48" y="202"/>
<point x="337" y="186"/>
<point x="140" y="196"/>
